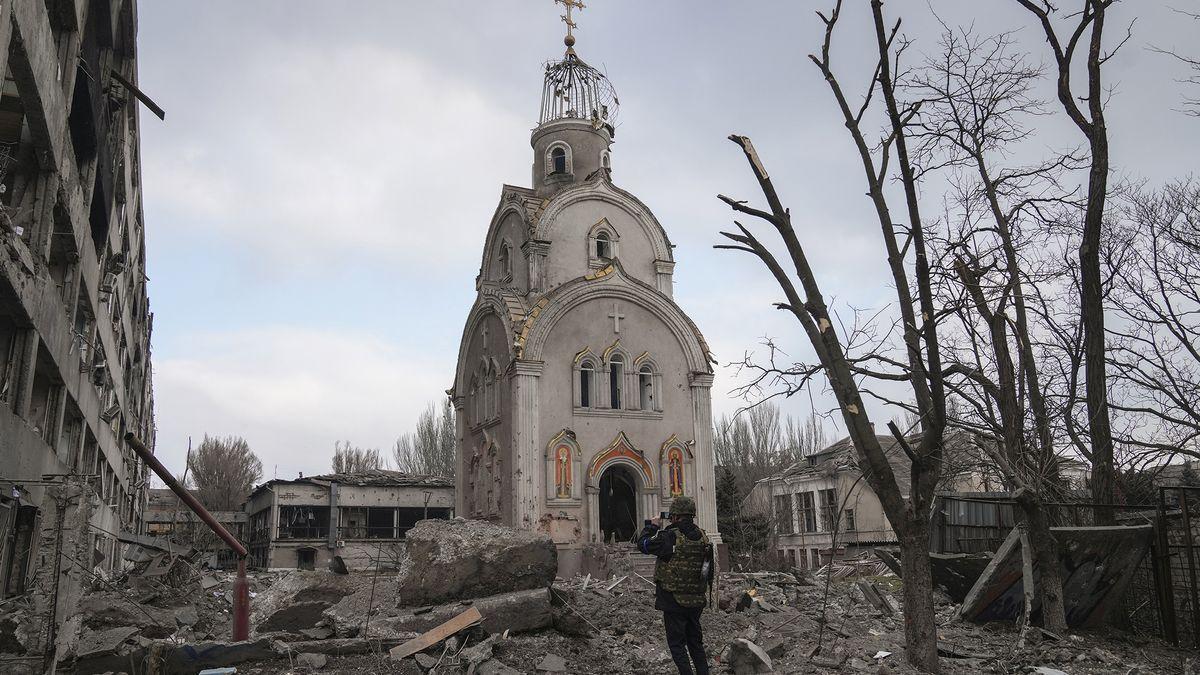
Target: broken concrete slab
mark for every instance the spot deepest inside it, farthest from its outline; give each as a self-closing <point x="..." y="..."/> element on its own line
<point x="312" y="660"/>
<point x="176" y="658"/>
<point x="96" y="643"/>
<point x="1097" y="564"/>
<point x="456" y="559"/>
<point x="552" y="663"/>
<point x="746" y="658"/>
<point x="518" y="612"/>
<point x="435" y="635"/>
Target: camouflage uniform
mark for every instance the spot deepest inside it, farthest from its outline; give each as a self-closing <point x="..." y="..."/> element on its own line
<point x="682" y="577"/>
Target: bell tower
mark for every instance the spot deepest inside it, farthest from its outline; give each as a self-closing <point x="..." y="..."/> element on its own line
<point x="577" y="122"/>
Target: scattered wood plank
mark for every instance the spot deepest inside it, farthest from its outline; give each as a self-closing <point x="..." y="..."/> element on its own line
<point x="467" y="618"/>
<point x="877" y="599"/>
<point x="644" y="579"/>
<point x="616" y="583"/>
<point x="586" y="580"/>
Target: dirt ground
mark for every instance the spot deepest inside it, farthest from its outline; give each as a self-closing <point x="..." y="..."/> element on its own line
<point x="619" y="631"/>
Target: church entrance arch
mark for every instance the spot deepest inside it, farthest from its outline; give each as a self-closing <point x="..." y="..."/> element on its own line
<point x="618" y="504"/>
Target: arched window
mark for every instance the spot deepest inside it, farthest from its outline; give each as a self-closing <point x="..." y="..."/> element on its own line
<point x="558" y="161"/>
<point x="473" y="403"/>
<point x="505" y="261"/>
<point x="603" y="245"/>
<point x="616" y="372"/>
<point x="606" y="160"/>
<point x="646" y="387"/>
<point x="587" y="373"/>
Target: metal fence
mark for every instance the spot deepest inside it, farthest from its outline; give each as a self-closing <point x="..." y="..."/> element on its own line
<point x="1178" y="563"/>
<point x="1163" y="595"/>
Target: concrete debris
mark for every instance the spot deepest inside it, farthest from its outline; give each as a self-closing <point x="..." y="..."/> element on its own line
<point x="552" y="663"/>
<point x="312" y="660"/>
<point x="464" y="620"/>
<point x="746" y="658"/>
<point x="1097" y="564"/>
<point x="455" y="559"/>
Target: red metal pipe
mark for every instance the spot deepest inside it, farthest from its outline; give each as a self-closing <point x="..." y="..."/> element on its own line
<point x="241" y="589"/>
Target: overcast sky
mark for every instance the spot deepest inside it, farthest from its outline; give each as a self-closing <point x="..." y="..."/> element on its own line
<point x="317" y="197"/>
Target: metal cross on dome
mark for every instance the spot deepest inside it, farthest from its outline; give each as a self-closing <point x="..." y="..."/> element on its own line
<point x="570" y="5"/>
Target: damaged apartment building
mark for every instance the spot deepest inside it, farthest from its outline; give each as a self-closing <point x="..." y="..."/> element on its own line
<point x="359" y="517"/>
<point x="74" y="317"/>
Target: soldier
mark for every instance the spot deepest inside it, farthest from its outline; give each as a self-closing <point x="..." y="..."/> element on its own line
<point x="683" y="581"/>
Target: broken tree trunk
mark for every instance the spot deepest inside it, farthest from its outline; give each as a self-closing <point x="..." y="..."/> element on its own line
<point x="1027" y="584"/>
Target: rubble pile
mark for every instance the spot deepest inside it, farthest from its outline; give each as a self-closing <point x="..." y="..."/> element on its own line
<point x="520" y="619"/>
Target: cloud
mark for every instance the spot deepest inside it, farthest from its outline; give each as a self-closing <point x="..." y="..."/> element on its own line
<point x="318" y="163"/>
<point x="291" y="391"/>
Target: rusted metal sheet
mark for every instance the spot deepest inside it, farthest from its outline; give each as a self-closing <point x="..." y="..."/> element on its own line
<point x="1097" y="564"/>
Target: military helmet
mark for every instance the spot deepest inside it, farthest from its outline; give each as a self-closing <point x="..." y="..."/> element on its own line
<point x="683" y="506"/>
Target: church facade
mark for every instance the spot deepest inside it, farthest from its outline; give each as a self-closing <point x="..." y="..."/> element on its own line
<point x="582" y="389"/>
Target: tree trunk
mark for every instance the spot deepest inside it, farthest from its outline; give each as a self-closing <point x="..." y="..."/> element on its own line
<point x="920" y="628"/>
<point x="1045" y="556"/>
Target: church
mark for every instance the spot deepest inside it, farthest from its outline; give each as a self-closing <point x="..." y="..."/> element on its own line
<point x="582" y="389"/>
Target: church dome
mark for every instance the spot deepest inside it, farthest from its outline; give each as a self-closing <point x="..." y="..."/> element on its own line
<point x="575" y="90"/>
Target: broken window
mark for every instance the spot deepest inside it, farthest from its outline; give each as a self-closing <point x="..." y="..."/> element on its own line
<point x="303" y="522"/>
<point x="783" y="514"/>
<point x="646" y="388"/>
<point x="616" y="372"/>
<point x="558" y="160"/>
<point x="18" y="544"/>
<point x="10" y="357"/>
<point x="828" y="510"/>
<point x="587" y="372"/>
<point x="851" y="526"/>
<point x="806" y="511"/>
<point x="603" y="245"/>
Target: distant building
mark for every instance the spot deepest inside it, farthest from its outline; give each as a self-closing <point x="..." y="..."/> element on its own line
<point x="803" y="500"/>
<point x="166" y="516"/>
<point x="362" y="517"/>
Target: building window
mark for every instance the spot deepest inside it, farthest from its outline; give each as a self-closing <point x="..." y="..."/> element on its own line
<point x="828" y="510"/>
<point x="505" y="262"/>
<point x="558" y="160"/>
<point x="851" y="526"/>
<point x="587" y="374"/>
<point x="616" y="372"/>
<point x="646" y="388"/>
<point x="806" y="511"/>
<point x="783" y="514"/>
<point x="603" y="245"/>
<point x="606" y="160"/>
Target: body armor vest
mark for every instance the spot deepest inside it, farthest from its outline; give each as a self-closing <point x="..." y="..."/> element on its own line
<point x="683" y="574"/>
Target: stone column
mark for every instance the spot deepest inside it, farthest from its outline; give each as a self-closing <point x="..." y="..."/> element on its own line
<point x="527" y="455"/>
<point x="460" y="471"/>
<point x="705" y="484"/>
<point x="593" y="513"/>
<point x="26" y="365"/>
<point x="663" y="270"/>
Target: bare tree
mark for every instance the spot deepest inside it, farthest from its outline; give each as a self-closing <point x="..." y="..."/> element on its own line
<point x="976" y="96"/>
<point x="1191" y="100"/>
<point x="349" y="458"/>
<point x="429" y="449"/>
<point x="920" y="365"/>
<point x="223" y="471"/>
<point x="1088" y="23"/>
<point x="1155" y="353"/>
